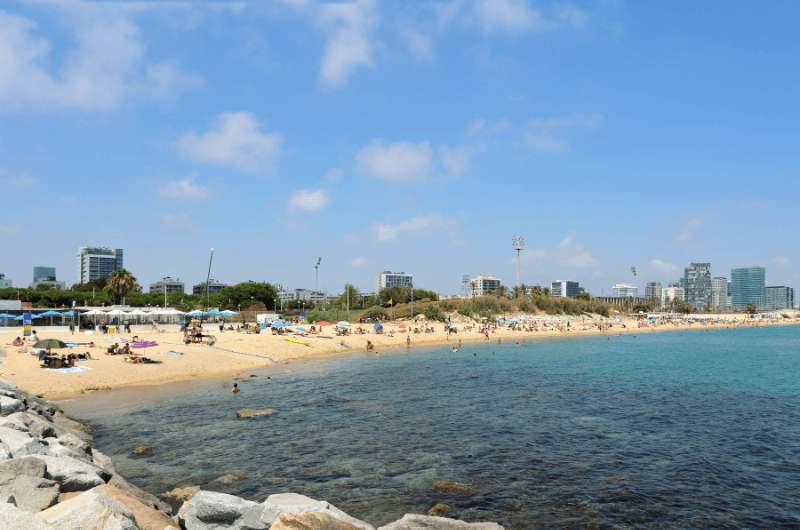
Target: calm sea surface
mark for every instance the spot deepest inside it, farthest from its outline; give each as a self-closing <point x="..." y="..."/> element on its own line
<point x="693" y="429"/>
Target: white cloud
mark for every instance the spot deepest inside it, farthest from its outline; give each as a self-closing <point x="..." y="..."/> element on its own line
<point x="454" y="160"/>
<point x="184" y="189"/>
<point x="108" y="65"/>
<point x="688" y="229"/>
<point x="17" y="180"/>
<point x="397" y="162"/>
<point x="781" y="261"/>
<point x="419" y="44"/>
<point x="388" y="232"/>
<point x="568" y="253"/>
<point x="663" y="267"/>
<point x="359" y="262"/>
<point x="308" y="201"/>
<point x="482" y="127"/>
<point x="512" y="16"/>
<point x="236" y="140"/>
<point x="550" y="134"/>
<point x="348" y="27"/>
<point x="9" y="229"/>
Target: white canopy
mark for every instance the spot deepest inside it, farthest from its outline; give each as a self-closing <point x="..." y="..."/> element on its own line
<point x="94" y="313"/>
<point x="116" y="313"/>
<point x="137" y="313"/>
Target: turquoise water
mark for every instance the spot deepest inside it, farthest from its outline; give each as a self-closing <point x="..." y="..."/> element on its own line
<point x="683" y="429"/>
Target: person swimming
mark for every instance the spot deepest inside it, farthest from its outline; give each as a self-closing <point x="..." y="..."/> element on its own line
<point x="235" y="389"/>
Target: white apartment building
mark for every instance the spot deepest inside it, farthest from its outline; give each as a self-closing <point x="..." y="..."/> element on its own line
<point x="388" y="279"/>
<point x="671" y="293"/>
<point x="625" y="290"/>
<point x="484" y="284"/>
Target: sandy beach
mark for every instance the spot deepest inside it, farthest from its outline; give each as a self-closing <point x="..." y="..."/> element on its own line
<point x="236" y="353"/>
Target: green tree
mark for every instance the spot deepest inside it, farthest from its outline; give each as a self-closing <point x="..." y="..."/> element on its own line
<point x="244" y="294"/>
<point x="120" y="283"/>
<point x="751" y="309"/>
<point x="349" y="297"/>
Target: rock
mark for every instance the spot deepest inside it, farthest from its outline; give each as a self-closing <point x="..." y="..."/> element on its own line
<point x="54" y="448"/>
<point x="21" y="443"/>
<point x="103" y="461"/>
<point x="22" y="479"/>
<point x="8" y="386"/>
<point x="91" y="510"/>
<point x="72" y="474"/>
<point x="182" y="494"/>
<point x="9" y="405"/>
<point x="228" y="479"/>
<point x="146" y="517"/>
<point x="294" y="503"/>
<point x="76" y="444"/>
<point x="139" y="494"/>
<point x="453" y="487"/>
<point x="438" y="509"/>
<point x="252" y="413"/>
<point x="78" y="429"/>
<point x="143" y="450"/>
<point x="15" y="519"/>
<point x="208" y="510"/>
<point x="310" y="521"/>
<point x="412" y="521"/>
<point x="5" y="453"/>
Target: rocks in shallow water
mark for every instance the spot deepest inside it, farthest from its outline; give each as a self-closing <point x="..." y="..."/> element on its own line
<point x="208" y="510"/>
<point x="143" y="450"/>
<point x="412" y="521"/>
<point x="9" y="405"/>
<point x="453" y="487"/>
<point x="91" y="510"/>
<point x="72" y="474"/>
<point x="228" y="479"/>
<point x="252" y="413"/>
<point x="438" y="509"/>
<point x="294" y="503"/>
<point x="182" y="494"/>
<point x="310" y="521"/>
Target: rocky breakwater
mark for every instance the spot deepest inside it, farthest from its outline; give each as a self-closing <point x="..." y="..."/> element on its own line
<point x="52" y="478"/>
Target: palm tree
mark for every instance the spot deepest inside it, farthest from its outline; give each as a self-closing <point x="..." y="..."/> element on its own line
<point x="120" y="283"/>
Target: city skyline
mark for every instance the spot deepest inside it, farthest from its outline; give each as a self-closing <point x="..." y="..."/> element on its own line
<point x="424" y="148"/>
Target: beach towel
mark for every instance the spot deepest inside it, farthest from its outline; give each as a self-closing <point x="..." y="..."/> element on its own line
<point x="172" y="352"/>
<point x="71" y="369"/>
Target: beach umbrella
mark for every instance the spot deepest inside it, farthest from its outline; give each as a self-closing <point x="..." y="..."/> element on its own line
<point x="279" y="324"/>
<point x="49" y="313"/>
<point x="301" y="328"/>
<point x="213" y="312"/>
<point x="377" y="327"/>
<point x="195" y="313"/>
<point x="343" y="324"/>
<point x="322" y="323"/>
<point x="227" y="313"/>
<point x="49" y="343"/>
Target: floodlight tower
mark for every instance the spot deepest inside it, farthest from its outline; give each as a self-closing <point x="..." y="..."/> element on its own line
<point x="518" y="243"/>
<point x="316" y="274"/>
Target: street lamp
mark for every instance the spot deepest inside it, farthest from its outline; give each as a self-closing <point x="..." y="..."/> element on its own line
<point x="518" y="244"/>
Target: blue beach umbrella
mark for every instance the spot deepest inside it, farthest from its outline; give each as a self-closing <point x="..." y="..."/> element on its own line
<point x="213" y="312"/>
<point x="227" y="313"/>
<point x="378" y="327"/>
<point x="49" y="314"/>
<point x="343" y="324"/>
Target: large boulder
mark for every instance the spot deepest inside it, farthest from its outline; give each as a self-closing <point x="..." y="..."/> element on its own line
<point x="22" y="482"/>
<point x="412" y="521"/>
<point x="310" y="521"/>
<point x="10" y="405"/>
<point x="21" y="443"/>
<point x="15" y="519"/>
<point x="70" y="425"/>
<point x="91" y="510"/>
<point x="73" y="474"/>
<point x="103" y="460"/>
<point x="209" y="510"/>
<point x="147" y="499"/>
<point x="146" y="517"/>
<point x="33" y="423"/>
<point x="294" y="503"/>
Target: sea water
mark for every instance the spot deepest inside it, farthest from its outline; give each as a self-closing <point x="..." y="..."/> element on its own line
<point x="682" y="429"/>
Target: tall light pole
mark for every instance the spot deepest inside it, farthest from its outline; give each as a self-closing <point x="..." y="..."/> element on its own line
<point x="518" y="243"/>
<point x="208" y="280"/>
<point x="316" y="274"/>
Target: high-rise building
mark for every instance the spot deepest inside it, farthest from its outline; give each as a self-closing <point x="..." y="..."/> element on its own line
<point x="748" y="286"/>
<point x="719" y="294"/>
<point x="697" y="285"/>
<point x="388" y="279"/>
<point x="565" y="288"/>
<point x="5" y="283"/>
<point x="625" y="290"/>
<point x="95" y="263"/>
<point x="484" y="284"/>
<point x="779" y="297"/>
<point x="652" y="291"/>
<point x="213" y="287"/>
<point x="168" y="285"/>
<point x="46" y="276"/>
<point x="672" y="293"/>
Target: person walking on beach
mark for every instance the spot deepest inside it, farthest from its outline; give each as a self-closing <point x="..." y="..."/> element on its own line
<point x="235" y="389"/>
<point x="408" y="341"/>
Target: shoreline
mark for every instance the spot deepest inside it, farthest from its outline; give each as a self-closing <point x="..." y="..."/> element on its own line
<point x="236" y="354"/>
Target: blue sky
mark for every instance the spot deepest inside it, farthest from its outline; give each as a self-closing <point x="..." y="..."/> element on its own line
<point x="416" y="136"/>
